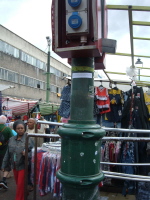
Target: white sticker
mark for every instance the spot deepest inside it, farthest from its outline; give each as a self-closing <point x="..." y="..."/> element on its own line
<point x="82" y="75"/>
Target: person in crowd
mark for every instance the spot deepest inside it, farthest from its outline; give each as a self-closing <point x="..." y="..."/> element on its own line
<point x="31" y="128"/>
<point x="5" y="135"/>
<point x="31" y="125"/>
<point x="15" y="155"/>
<point x="44" y="128"/>
<point x="11" y="127"/>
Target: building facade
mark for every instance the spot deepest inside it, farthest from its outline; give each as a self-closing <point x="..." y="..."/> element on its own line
<point x="23" y="66"/>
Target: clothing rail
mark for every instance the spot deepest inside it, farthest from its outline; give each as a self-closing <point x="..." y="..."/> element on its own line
<point x="105" y="128"/>
<point x="50" y="123"/>
<point x="127" y="178"/>
<point x="35" y="160"/>
<point x="126" y="164"/>
<point x="107" y="174"/>
<point x="135" y="139"/>
<point x="43" y="135"/>
<point x="126" y="130"/>
<point x="127" y="175"/>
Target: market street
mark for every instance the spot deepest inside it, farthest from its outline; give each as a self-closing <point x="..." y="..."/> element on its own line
<point x="10" y="194"/>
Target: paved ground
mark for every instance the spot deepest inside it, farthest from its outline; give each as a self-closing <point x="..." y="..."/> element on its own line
<point x="10" y="194"/>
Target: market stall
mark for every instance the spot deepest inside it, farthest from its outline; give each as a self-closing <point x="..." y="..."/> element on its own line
<point x="17" y="107"/>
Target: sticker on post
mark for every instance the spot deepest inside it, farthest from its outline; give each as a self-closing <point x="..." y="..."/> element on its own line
<point x="91" y="91"/>
<point x="82" y="75"/>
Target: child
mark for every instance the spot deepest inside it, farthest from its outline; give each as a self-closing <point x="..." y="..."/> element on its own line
<point x="16" y="155"/>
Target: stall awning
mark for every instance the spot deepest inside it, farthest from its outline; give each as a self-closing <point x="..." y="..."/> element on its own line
<point x="18" y="106"/>
<point x="46" y="108"/>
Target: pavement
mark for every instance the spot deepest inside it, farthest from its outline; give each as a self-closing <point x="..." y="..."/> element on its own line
<point x="10" y="194"/>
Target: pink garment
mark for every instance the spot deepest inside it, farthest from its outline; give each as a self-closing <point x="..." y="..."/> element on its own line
<point x="65" y="120"/>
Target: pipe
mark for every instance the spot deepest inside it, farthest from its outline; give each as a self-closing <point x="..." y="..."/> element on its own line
<point x="127" y="178"/>
<point x="126" y="164"/>
<point x="26" y="168"/>
<point x="126" y="175"/>
<point x="126" y="139"/>
<point x="50" y="123"/>
<point x="35" y="161"/>
<point x="126" y="130"/>
<point x="43" y="135"/>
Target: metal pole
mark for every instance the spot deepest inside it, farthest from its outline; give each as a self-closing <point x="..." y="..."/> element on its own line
<point x="126" y="164"/>
<point x="48" y="71"/>
<point x="127" y="130"/>
<point x="139" y="74"/>
<point x="127" y="175"/>
<point x="127" y="178"/>
<point x="134" y="139"/>
<point x="81" y="138"/>
<point x="0" y="103"/>
<point x="26" y="169"/>
<point x="35" y="162"/>
<point x="28" y="111"/>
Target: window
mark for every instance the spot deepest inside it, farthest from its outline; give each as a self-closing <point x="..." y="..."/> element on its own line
<point x="16" y="78"/>
<point x="59" y="90"/>
<point x="26" y="80"/>
<point x="53" y="88"/>
<point x="5" y="74"/>
<point x="9" y="49"/>
<point x="8" y="75"/>
<point x="22" y="79"/>
<point x="11" y="76"/>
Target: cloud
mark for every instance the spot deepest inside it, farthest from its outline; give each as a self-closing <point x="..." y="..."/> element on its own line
<point x="31" y="20"/>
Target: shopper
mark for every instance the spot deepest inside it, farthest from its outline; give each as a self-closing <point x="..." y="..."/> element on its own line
<point x="15" y="154"/>
<point x="5" y="134"/>
<point x="11" y="127"/>
<point x="31" y="125"/>
<point x="44" y="129"/>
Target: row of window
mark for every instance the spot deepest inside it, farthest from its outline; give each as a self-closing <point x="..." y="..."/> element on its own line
<point x="26" y="80"/>
<point x="7" y="48"/>
<point x="32" y="61"/>
<point x="16" y="78"/>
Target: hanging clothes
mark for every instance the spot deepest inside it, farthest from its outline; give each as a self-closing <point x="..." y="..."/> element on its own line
<point x="147" y="102"/>
<point x="128" y="156"/>
<point x="116" y="104"/>
<point x="48" y="182"/>
<point x="103" y="102"/>
<point x="143" y="191"/>
<point x="48" y="163"/>
<point x="139" y="114"/>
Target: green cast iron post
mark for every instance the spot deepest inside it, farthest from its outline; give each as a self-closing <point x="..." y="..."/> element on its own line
<point x="48" y="71"/>
<point x="81" y="138"/>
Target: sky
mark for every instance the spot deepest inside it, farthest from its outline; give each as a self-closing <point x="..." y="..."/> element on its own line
<point x="31" y="20"/>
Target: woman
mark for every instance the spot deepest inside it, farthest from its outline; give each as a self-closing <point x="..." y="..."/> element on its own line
<point x="15" y="155"/>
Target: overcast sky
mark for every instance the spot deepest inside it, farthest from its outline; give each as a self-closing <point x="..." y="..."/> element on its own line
<point x="31" y="20"/>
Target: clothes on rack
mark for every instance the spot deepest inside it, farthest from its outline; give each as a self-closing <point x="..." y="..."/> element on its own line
<point x="147" y="102"/>
<point x="143" y="191"/>
<point x="138" y="115"/>
<point x="48" y="163"/>
<point x="128" y="156"/>
<point x="116" y="105"/>
<point x="103" y="102"/>
<point x="110" y="152"/>
<point x="48" y="182"/>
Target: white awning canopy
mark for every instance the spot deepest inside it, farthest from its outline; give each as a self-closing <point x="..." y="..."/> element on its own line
<point x="4" y="87"/>
<point x="18" y="106"/>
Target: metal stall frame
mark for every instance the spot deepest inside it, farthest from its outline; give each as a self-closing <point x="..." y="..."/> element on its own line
<point x="106" y="173"/>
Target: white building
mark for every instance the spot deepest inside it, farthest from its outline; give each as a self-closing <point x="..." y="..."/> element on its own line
<point x="23" y="66"/>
